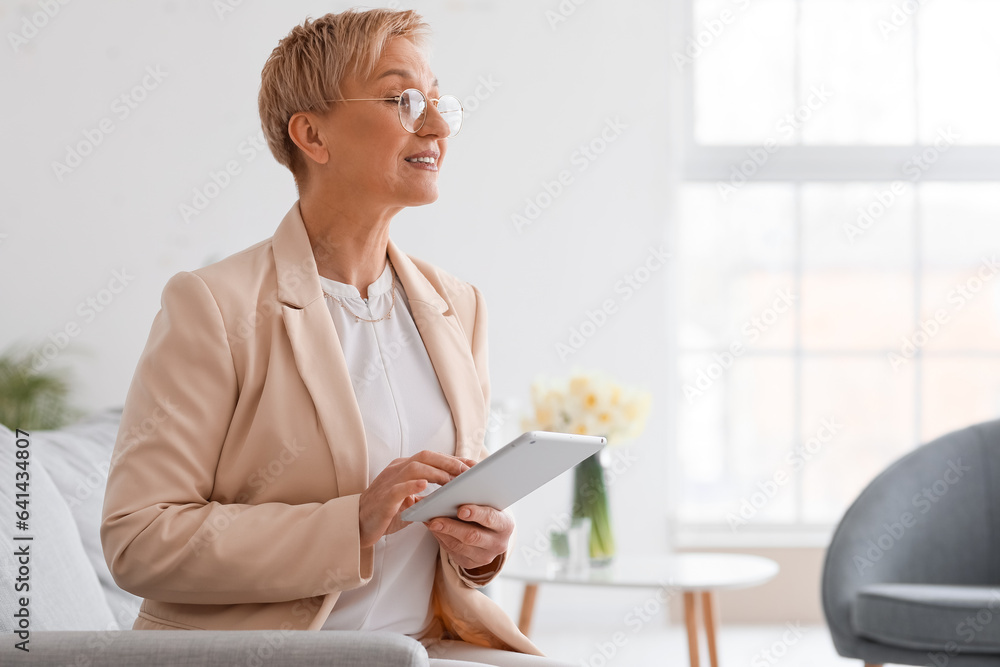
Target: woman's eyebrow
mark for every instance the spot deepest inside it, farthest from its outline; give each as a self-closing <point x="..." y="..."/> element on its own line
<point x="402" y="73"/>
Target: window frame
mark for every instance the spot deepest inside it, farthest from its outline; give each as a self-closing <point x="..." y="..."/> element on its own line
<point x="796" y="165"/>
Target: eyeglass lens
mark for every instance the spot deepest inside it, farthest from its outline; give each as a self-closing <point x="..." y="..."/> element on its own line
<point x="413" y="110"/>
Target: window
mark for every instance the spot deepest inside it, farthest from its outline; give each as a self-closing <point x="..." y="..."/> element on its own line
<point x="838" y="239"/>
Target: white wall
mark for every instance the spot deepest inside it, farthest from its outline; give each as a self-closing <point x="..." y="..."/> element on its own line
<point x="555" y="87"/>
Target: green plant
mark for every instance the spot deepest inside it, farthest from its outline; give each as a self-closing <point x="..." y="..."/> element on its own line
<point x="30" y="399"/>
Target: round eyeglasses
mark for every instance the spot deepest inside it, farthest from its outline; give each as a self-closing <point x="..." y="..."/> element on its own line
<point x="412" y="105"/>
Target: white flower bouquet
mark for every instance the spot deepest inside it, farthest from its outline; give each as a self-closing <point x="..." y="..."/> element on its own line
<point x="590" y="404"/>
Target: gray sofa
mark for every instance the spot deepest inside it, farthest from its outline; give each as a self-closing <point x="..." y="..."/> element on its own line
<point x="912" y="575"/>
<point x="77" y="615"/>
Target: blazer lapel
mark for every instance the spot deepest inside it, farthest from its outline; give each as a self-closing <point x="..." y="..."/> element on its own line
<point x="318" y="354"/>
<point x="320" y="360"/>
<point x="449" y="352"/>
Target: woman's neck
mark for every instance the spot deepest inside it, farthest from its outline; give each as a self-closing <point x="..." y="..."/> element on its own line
<point x="349" y="244"/>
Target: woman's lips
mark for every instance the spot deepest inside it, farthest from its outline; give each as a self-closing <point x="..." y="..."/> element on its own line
<point x="427" y="163"/>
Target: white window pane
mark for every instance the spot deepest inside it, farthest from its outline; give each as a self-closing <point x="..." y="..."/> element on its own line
<point x="735" y="262"/>
<point x="867" y="74"/>
<point x="958" y="393"/>
<point x="960" y="311"/>
<point x="857" y="225"/>
<point x="874" y="409"/>
<point x="961" y="223"/>
<point x="959" y="67"/>
<point x="755" y="226"/>
<point x="744" y="75"/>
<point x="701" y="424"/>
<point x="855" y="310"/>
<point x="960" y="307"/>
<point x="734" y="312"/>
<point x="734" y="436"/>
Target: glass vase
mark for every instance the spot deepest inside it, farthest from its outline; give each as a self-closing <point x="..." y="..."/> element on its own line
<point x="590" y="499"/>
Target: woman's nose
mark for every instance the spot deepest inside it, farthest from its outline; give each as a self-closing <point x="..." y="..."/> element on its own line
<point x="434" y="123"/>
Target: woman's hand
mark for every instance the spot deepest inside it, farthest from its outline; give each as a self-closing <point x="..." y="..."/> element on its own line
<point x="476" y="538"/>
<point x="397" y="487"/>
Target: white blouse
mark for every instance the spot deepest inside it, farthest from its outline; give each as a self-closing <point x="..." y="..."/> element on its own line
<point x="404" y="411"/>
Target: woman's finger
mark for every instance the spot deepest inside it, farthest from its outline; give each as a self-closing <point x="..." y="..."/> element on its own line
<point x="464" y="555"/>
<point x="433" y="474"/>
<point x="485" y="516"/>
<point x="451" y="464"/>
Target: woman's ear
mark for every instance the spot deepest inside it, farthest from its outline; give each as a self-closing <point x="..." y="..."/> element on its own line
<point x="303" y="128"/>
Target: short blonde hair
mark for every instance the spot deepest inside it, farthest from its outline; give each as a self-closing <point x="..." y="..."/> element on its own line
<point x="309" y="64"/>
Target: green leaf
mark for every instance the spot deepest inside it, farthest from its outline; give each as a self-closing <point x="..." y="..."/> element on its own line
<point x="30" y="399"/>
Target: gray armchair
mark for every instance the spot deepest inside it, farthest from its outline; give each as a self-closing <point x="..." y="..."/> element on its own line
<point x="77" y="615"/>
<point x="213" y="648"/>
<point x="912" y="574"/>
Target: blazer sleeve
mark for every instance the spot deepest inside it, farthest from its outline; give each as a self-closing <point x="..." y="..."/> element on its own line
<point x="480" y="355"/>
<point x="163" y="538"/>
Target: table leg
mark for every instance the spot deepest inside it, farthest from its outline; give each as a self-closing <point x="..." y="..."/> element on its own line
<point x="691" y="621"/>
<point x="527" y="608"/>
<point x="708" y="608"/>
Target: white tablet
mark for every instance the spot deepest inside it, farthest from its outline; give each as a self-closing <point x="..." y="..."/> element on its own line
<point x="509" y="474"/>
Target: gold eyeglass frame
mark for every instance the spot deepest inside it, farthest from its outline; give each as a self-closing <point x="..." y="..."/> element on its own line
<point x="399" y="108"/>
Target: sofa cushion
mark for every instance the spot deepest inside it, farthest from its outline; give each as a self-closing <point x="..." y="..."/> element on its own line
<point x="956" y="619"/>
<point x="64" y="593"/>
<point x="78" y="457"/>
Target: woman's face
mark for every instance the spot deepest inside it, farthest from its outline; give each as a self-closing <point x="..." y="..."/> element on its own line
<point x="370" y="152"/>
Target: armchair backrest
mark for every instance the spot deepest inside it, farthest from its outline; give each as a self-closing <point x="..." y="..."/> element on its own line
<point x="931" y="517"/>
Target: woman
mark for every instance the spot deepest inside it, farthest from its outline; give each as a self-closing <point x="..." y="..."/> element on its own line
<point x="318" y="382"/>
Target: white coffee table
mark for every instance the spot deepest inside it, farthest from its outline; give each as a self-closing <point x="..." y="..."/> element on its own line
<point x="693" y="574"/>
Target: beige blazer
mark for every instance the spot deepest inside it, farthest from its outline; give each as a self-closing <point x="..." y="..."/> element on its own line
<point x="232" y="498"/>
